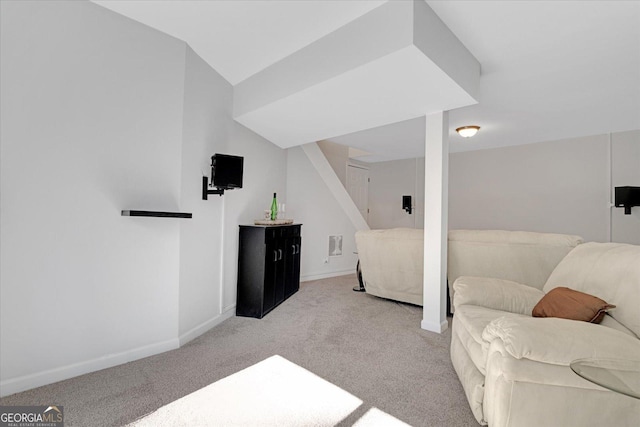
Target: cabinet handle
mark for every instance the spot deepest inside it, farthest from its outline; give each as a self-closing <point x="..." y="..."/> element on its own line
<point x="280" y="253"/>
<point x="298" y="247"/>
<point x="275" y="255"/>
<point x="294" y="249"/>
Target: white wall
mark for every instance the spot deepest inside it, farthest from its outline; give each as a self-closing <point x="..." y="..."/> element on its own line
<point x="556" y="186"/>
<point x="91" y="124"/>
<point x="265" y="171"/>
<point x="310" y="202"/>
<point x="100" y="113"/>
<point x="206" y="123"/>
<point x="389" y="182"/>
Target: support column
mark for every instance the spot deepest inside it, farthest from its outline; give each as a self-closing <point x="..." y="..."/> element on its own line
<point x="436" y="201"/>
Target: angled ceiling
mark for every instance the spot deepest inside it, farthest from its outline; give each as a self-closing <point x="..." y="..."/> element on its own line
<point x="396" y="62"/>
<point x="238" y="38"/>
<point x="550" y="70"/>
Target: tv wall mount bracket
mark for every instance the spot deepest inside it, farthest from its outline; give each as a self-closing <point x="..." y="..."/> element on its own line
<point x="206" y="191"/>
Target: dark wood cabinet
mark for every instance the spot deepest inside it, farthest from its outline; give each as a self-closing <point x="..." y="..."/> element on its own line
<point x="268" y="267"/>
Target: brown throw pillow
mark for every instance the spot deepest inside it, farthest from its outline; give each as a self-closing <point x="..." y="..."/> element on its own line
<point x="569" y="304"/>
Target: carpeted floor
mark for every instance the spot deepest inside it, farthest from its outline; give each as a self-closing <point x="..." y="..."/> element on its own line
<point x="370" y="347"/>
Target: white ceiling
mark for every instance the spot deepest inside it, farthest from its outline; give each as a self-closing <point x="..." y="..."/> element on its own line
<point x="550" y="70"/>
<point x="359" y="99"/>
<point x="238" y="38"/>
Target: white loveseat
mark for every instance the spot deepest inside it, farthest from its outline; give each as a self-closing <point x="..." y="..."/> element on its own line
<point x="514" y="368"/>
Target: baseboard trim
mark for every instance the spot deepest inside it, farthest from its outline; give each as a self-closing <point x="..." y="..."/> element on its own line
<point x="435" y="327"/>
<point x="38" y="379"/>
<point x="229" y="307"/>
<point x="310" y="277"/>
<point x="50" y="376"/>
<point x="206" y="326"/>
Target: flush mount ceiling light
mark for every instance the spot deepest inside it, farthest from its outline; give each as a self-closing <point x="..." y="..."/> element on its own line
<point x="468" y="131"/>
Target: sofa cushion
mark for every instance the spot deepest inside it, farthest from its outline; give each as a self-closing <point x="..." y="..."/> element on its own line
<point x="610" y="322"/>
<point x="560" y="341"/>
<point x="610" y="271"/>
<point x="496" y="294"/>
<point x="571" y="304"/>
<point x="532" y="371"/>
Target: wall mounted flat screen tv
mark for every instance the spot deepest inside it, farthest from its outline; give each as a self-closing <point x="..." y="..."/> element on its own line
<point x="226" y="171"/>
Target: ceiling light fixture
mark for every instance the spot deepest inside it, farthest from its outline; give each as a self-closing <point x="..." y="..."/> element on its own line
<point x="468" y="131"/>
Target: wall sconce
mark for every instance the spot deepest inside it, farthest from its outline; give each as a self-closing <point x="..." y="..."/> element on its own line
<point x="406" y="204"/>
<point x="468" y="131"/>
<point x="626" y="197"/>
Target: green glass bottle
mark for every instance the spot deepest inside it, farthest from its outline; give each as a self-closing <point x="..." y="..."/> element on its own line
<point x="274" y="208"/>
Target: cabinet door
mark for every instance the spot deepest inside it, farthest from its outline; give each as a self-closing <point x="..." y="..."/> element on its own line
<point x="251" y="272"/>
<point x="279" y="278"/>
<point x="271" y="262"/>
<point x="292" y="266"/>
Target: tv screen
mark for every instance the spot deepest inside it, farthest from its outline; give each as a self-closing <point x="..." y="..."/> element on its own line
<point x="226" y="171"/>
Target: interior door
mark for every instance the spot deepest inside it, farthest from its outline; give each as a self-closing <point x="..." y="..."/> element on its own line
<point x="358" y="188"/>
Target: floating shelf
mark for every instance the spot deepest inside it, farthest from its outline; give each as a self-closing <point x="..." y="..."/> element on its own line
<point x="158" y="214"/>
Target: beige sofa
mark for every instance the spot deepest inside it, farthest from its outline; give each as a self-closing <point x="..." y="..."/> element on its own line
<point x="514" y="368"/>
<point x="391" y="263"/>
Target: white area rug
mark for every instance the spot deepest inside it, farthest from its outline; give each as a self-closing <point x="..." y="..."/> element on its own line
<point x="274" y="392"/>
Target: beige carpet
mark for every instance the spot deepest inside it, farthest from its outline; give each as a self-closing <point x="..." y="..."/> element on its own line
<point x="273" y="393"/>
<point x="369" y="347"/>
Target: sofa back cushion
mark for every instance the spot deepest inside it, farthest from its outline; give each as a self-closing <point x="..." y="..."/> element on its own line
<point x="609" y="271"/>
<point x="520" y="256"/>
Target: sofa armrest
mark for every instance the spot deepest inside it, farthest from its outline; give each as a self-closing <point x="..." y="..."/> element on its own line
<point x="560" y="341"/>
<point x="497" y="294"/>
